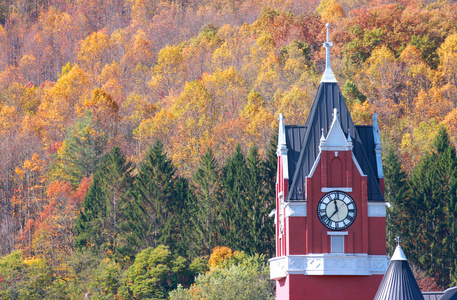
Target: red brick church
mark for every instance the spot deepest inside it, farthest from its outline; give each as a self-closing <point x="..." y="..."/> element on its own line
<point x="330" y="208"/>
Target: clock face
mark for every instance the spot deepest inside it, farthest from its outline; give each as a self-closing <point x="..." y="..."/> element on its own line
<point x="336" y="210"/>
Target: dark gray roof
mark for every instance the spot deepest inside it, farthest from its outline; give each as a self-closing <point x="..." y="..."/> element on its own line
<point x="398" y="283"/>
<point x="432" y="295"/>
<point x="450" y="294"/>
<point x="294" y="141"/>
<point x="320" y="117"/>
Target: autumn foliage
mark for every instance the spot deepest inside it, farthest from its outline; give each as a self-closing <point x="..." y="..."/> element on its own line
<point x="79" y="77"/>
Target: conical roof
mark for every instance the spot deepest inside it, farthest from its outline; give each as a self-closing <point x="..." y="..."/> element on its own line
<point x="398" y="282"/>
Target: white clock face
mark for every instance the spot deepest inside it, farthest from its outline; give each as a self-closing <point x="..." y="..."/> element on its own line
<point x="336" y="210"/>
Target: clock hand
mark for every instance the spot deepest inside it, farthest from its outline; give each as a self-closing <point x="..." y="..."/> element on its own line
<point x="336" y="206"/>
<point x="336" y="211"/>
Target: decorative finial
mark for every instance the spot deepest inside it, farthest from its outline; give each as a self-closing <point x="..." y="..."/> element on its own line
<point x="322" y="135"/>
<point x="398" y="240"/>
<point x="282" y="148"/>
<point x="328" y="74"/>
<point x="328" y="35"/>
<point x="349" y="135"/>
<point x="398" y="253"/>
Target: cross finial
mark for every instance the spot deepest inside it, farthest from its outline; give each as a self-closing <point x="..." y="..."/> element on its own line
<point x="328" y="35"/>
<point x="398" y="240"/>
<point x="327" y="46"/>
<point x="328" y="74"/>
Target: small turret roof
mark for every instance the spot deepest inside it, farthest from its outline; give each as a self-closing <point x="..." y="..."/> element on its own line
<point x="398" y="283"/>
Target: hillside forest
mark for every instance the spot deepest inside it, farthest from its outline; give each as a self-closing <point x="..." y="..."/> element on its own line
<point x="137" y="137"/>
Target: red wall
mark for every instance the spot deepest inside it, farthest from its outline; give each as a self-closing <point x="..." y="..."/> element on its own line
<point x="302" y="287"/>
<point x="306" y="235"/>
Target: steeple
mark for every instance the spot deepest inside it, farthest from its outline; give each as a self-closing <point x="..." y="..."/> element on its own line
<point x="328" y="74"/>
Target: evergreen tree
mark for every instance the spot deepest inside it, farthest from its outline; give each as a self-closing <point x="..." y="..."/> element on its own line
<point x="207" y="206"/>
<point x="109" y="220"/>
<point x="164" y="197"/>
<point x="396" y="192"/>
<point x="81" y="151"/>
<point x="270" y="168"/>
<point x="235" y="176"/>
<point x="431" y="207"/>
<point x="259" y="205"/>
<point x="247" y="205"/>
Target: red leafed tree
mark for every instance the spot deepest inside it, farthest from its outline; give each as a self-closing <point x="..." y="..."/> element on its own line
<point x="53" y="236"/>
<point x="425" y="282"/>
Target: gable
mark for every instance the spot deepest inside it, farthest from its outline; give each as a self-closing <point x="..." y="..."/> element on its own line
<point x="319" y="122"/>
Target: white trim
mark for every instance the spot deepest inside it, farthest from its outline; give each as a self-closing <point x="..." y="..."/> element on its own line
<point x="335" y="140"/>
<point x="357" y="165"/>
<point x="331" y="189"/>
<point x="337" y="233"/>
<point x="358" y="264"/>
<point x="282" y="147"/>
<point x="316" y="162"/>
<point x="285" y="167"/>
<point x="378" y="148"/>
<point x="296" y="209"/>
<point x="376" y="209"/>
<point x="398" y="254"/>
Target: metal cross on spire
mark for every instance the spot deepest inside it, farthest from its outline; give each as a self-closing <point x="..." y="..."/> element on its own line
<point x="328" y="45"/>
<point x="328" y="74"/>
<point x="398" y="240"/>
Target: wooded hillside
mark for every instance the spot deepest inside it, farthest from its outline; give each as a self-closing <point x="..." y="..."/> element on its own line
<point x="89" y="83"/>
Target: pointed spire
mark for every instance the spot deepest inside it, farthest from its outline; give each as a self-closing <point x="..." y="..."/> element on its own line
<point x="282" y="146"/>
<point x="328" y="74"/>
<point x="398" y="254"/>
<point x="377" y="146"/>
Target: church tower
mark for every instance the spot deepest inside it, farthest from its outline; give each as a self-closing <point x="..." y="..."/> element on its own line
<point x="330" y="209"/>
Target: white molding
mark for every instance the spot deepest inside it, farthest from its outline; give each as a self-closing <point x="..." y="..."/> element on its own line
<point x="316" y="162"/>
<point x="328" y="264"/>
<point x="335" y="140"/>
<point x="357" y="165"/>
<point x="378" y="148"/>
<point x="296" y="209"/>
<point x="376" y="209"/>
<point x="282" y="147"/>
<point x="337" y="233"/>
<point x="331" y="189"/>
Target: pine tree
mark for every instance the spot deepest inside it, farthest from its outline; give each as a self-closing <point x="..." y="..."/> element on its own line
<point x="431" y="209"/>
<point x="206" y="214"/>
<point x="270" y="166"/>
<point x="110" y="217"/>
<point x="259" y="205"/>
<point x="247" y="203"/>
<point x="81" y="151"/>
<point x="164" y="196"/>
<point x="396" y="192"/>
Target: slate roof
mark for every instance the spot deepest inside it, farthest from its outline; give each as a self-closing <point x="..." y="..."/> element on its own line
<point x="398" y="282"/>
<point x="305" y="141"/>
